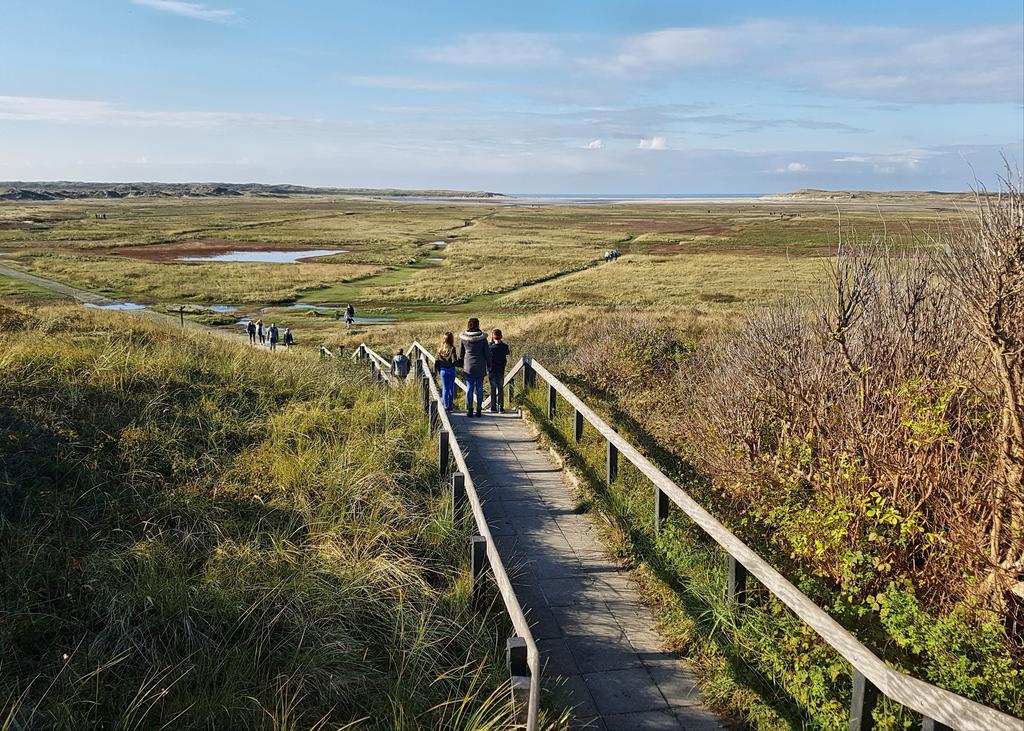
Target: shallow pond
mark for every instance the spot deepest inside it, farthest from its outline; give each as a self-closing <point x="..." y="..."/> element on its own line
<point x="116" y="306"/>
<point x="266" y="257"/>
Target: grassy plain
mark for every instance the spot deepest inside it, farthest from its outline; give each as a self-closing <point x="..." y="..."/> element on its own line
<point x="200" y="536"/>
<point x="535" y="271"/>
<point x="690" y="259"/>
<point x="23" y="292"/>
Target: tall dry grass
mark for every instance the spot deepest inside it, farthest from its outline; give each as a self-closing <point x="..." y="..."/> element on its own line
<point x="198" y="536"/>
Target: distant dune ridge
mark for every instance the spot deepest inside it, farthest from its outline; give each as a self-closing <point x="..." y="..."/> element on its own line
<point x="815" y="194"/>
<point x="63" y="190"/>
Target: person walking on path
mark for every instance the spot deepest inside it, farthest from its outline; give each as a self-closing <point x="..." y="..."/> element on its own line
<point x="447" y="360"/>
<point x="288" y="338"/>
<point x="475" y="357"/>
<point x="499" y="360"/>
<point x="274" y="336"/>
<point x="350" y="315"/>
<point x="251" y="329"/>
<point x="261" y="331"/>
<point x="400" y="365"/>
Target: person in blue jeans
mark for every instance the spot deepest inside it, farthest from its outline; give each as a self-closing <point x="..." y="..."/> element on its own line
<point x="445" y="363"/>
<point x="475" y="357"/>
<point x="499" y="360"/>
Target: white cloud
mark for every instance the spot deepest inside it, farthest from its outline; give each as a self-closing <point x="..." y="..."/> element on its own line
<point x="499" y="50"/>
<point x="197" y="11"/>
<point x="83" y="111"/>
<point x="890" y="163"/>
<point x="884" y="62"/>
<point x="903" y="63"/>
<point x="653" y="143"/>
<point x="594" y="145"/>
<point x="792" y="167"/>
<point x="407" y="83"/>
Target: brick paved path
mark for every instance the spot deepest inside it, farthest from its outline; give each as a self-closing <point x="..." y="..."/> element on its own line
<point x="601" y="652"/>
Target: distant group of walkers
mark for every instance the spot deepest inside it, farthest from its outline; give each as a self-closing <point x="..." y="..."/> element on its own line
<point x="269" y="336"/>
<point x="611" y="255"/>
<point x="478" y="356"/>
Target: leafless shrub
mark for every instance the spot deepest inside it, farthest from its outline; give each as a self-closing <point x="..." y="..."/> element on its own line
<point x="876" y="432"/>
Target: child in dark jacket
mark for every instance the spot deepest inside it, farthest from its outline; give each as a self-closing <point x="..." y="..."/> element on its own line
<point x="499" y="360"/>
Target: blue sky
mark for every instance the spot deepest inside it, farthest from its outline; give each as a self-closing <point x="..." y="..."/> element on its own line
<point x="568" y="96"/>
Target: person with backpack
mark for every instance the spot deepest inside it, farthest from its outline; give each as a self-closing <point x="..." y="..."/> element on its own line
<point x="251" y="329"/>
<point x="400" y="365"/>
<point x="274" y="336"/>
<point x="499" y="360"/>
<point x="445" y="363"/>
<point x="475" y="357"/>
<point x="350" y="315"/>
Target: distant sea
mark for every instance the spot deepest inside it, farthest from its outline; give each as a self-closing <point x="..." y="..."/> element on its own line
<point x="575" y="199"/>
<point x="593" y="199"/>
<point x="634" y="196"/>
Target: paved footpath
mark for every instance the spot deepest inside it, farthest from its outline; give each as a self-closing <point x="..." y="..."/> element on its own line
<point x="589" y="624"/>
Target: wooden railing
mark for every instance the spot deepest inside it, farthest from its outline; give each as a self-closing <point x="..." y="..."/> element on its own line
<point x="939" y="708"/>
<point x="522" y="657"/>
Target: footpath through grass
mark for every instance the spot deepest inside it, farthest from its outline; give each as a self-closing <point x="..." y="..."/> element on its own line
<point x="196" y="535"/>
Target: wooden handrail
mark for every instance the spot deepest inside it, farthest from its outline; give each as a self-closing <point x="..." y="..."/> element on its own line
<point x="930" y="701"/>
<point x="498" y="571"/>
<point x="933" y="703"/>
<point x="383" y="367"/>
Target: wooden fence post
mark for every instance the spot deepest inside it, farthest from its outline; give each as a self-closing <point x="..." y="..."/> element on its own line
<point x="517" y="661"/>
<point x="736" y="590"/>
<point x="529" y="375"/>
<point x="444" y="455"/>
<point x="477" y="564"/>
<point x="577" y="431"/>
<point x="458" y="495"/>
<point x="552" y="401"/>
<point x="661" y="506"/>
<point x="435" y="420"/>
<point x="930" y="724"/>
<point x="862" y="704"/>
<point x="425" y="387"/>
<point x="611" y="463"/>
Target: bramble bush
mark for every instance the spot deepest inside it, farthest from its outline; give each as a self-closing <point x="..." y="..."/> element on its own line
<point x="869" y="441"/>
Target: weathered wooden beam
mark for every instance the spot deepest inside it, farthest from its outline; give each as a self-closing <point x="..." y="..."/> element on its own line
<point x="432" y="412"/>
<point x="611" y="463"/>
<point x="458" y="494"/>
<point x="477" y="564"/>
<point x="736" y="590"/>
<point x="661" y="507"/>
<point x="519" y="677"/>
<point x="862" y="703"/>
<point x="444" y="454"/>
